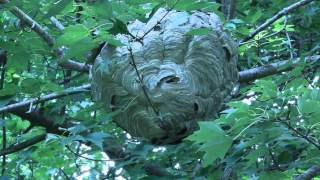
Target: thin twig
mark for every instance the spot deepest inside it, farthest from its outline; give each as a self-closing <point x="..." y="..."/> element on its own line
<point x="133" y="63"/>
<point x="281" y="13"/>
<point x="91" y="159"/>
<point x="289" y="40"/>
<point x="246" y="128"/>
<point x="65" y="174"/>
<point x="158" y="22"/>
<point x="48" y="97"/>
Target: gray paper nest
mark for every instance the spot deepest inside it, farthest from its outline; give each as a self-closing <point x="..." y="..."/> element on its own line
<point x="185" y="77"/>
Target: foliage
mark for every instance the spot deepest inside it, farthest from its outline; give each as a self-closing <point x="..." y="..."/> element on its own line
<point x="269" y="131"/>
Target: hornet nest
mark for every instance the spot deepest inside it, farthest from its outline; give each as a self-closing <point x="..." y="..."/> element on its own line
<point x="162" y="84"/>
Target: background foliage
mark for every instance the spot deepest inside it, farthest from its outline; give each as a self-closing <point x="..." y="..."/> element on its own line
<point x="270" y="130"/>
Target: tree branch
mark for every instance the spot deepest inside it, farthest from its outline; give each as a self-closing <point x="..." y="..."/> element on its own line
<point x="281" y="13"/>
<point x="270" y="69"/>
<point x="56" y="95"/>
<point x="312" y="172"/>
<point x="75" y="66"/>
<point x="23" y="145"/>
<point x="57" y="23"/>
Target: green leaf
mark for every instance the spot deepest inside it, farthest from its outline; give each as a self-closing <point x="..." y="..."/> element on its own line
<point x="57" y="7"/>
<point x="273" y="175"/>
<point x="77" y="129"/>
<point x="77" y="41"/>
<point x="31" y="85"/>
<point x="208" y="131"/>
<point x="51" y="86"/>
<point x="101" y="9"/>
<point x="18" y="61"/>
<point x="80" y="49"/>
<point x="118" y="27"/>
<point x="190" y="5"/>
<point x="97" y="138"/>
<point x="309" y="102"/>
<point x="199" y="31"/>
<point x="71" y="139"/>
<point x="214" y="141"/>
<point x="73" y="35"/>
<point x="267" y="87"/>
<point x="307" y="106"/>
<point x="9" y="90"/>
<point x="22" y="125"/>
<point x="255" y="154"/>
<point x="215" y="149"/>
<point x="137" y="2"/>
<point x="256" y="16"/>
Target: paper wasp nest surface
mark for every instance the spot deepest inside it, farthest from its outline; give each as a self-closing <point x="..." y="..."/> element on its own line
<point x="185" y="77"/>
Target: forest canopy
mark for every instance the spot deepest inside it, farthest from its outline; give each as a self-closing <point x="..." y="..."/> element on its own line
<point x="52" y="128"/>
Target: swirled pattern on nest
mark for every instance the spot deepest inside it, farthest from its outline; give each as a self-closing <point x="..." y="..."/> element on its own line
<point x="185" y="77"/>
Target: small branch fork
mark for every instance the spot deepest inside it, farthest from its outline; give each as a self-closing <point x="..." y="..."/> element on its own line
<point x="277" y="16"/>
<point x="48" y="39"/>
